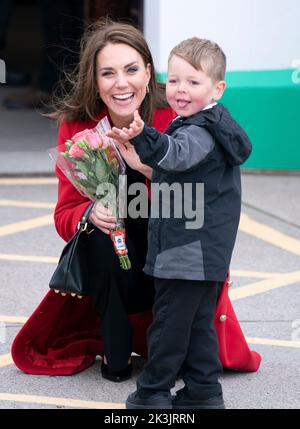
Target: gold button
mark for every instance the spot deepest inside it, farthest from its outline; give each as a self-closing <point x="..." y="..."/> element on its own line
<point x="223" y="317"/>
<point x="229" y="283"/>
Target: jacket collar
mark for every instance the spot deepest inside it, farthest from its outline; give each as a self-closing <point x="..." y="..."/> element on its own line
<point x="201" y="119"/>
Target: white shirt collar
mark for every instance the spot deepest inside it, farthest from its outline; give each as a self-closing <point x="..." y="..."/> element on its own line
<point x="210" y="106"/>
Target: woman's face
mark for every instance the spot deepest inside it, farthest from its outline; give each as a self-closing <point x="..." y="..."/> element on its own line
<point x="122" y="78"/>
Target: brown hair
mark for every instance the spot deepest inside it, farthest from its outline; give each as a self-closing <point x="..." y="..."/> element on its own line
<point x="203" y="55"/>
<point x="78" y="92"/>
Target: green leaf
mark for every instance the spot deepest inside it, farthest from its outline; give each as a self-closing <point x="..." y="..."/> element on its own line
<point x="81" y="165"/>
<point x="69" y="143"/>
<point x="101" y="171"/>
<point x="86" y="187"/>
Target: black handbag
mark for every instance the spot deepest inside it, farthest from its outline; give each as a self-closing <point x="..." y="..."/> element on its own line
<point x="71" y="274"/>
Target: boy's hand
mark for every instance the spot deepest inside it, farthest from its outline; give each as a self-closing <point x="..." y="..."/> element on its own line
<point x="136" y="126"/>
<point x="125" y="134"/>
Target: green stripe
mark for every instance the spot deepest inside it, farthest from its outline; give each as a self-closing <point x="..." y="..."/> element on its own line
<point x="263" y="78"/>
<point x="267" y="105"/>
<point x="257" y="78"/>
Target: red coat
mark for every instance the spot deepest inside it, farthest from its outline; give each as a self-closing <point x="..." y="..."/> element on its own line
<point x="62" y="336"/>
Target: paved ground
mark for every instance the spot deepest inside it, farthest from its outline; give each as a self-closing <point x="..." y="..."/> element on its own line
<point x="24" y="140"/>
<point x="265" y="271"/>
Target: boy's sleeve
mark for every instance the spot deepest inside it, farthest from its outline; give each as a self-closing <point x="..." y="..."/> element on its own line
<point x="181" y="152"/>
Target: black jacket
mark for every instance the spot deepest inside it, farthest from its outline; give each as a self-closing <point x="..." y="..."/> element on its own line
<point x="200" y="155"/>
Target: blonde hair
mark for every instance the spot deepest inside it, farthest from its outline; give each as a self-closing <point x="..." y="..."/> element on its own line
<point x="203" y="55"/>
<point x="77" y="99"/>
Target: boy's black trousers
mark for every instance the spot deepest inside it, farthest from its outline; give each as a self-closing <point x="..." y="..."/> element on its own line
<point x="182" y="338"/>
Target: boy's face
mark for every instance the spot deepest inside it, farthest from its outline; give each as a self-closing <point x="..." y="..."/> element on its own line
<point x="189" y="90"/>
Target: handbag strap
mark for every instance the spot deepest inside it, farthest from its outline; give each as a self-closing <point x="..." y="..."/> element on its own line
<point x="83" y="223"/>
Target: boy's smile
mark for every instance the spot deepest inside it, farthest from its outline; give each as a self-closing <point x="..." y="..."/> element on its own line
<point x="188" y="90"/>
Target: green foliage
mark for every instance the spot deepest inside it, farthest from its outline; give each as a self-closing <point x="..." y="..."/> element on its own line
<point x="102" y="171"/>
<point x="125" y="262"/>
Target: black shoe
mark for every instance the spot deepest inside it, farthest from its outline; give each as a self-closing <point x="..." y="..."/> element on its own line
<point x="156" y="401"/>
<point x="181" y="400"/>
<point x="116" y="376"/>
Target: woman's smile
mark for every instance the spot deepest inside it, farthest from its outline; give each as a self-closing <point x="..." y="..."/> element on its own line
<point x="123" y="99"/>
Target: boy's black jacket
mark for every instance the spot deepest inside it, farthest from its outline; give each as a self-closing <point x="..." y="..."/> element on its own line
<point x="207" y="148"/>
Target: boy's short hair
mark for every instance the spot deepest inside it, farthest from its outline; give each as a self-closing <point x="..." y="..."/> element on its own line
<point x="203" y="55"/>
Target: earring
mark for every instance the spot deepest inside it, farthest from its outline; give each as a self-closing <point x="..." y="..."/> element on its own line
<point x="147" y="88"/>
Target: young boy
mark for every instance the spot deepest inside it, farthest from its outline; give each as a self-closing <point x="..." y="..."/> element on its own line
<point x="202" y="145"/>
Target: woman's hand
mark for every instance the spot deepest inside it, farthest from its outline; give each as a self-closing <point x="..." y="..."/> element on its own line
<point x="102" y="218"/>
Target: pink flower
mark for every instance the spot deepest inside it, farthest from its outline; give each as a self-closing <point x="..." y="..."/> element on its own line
<point x="93" y="139"/>
<point x="80" y="136"/>
<point x="76" y="152"/>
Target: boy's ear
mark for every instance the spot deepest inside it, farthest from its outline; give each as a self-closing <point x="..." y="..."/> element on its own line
<point x="219" y="90"/>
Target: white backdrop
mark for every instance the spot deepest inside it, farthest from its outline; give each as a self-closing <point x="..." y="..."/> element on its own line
<point x="255" y="34"/>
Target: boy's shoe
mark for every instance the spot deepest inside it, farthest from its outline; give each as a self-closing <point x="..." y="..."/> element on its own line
<point x="181" y="400"/>
<point x="156" y="401"/>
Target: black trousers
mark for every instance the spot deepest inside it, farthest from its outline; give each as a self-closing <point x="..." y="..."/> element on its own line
<point x="182" y="337"/>
<point x="117" y="292"/>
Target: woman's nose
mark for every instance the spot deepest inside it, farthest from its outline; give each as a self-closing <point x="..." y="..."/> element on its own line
<point x="121" y="81"/>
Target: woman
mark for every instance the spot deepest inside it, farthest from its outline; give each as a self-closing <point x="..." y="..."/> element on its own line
<point x="115" y="77"/>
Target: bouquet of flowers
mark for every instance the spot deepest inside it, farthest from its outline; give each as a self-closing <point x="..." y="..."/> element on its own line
<point x="97" y="171"/>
